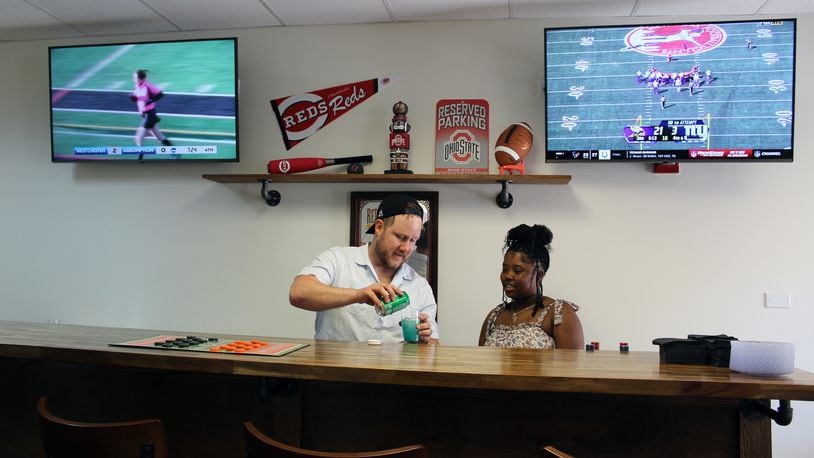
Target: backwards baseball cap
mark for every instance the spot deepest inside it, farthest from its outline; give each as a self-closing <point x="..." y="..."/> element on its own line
<point x="399" y="204"/>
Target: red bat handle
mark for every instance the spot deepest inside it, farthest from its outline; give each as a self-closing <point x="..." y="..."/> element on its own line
<point x="295" y="165"/>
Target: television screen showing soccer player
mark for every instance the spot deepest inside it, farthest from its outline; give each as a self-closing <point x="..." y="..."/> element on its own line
<point x="152" y="101"/>
<point x="720" y="91"/>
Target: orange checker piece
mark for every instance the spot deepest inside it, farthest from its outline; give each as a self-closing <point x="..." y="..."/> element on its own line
<point x="240" y="346"/>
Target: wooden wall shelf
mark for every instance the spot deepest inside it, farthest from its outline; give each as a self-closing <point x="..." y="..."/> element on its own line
<point x="272" y="197"/>
<point x="387" y="178"/>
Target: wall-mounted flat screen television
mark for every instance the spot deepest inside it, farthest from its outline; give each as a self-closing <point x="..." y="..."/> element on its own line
<point x="171" y="101"/>
<point x="693" y="91"/>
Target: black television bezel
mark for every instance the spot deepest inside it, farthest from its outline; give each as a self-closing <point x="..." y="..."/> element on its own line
<point x="142" y="160"/>
<point x="789" y="153"/>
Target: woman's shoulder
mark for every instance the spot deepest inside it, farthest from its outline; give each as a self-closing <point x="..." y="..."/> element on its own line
<point x="559" y="303"/>
<point x="496" y="311"/>
<point x="499" y="307"/>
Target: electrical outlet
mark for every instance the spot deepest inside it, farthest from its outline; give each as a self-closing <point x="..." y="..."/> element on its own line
<point x="778" y="300"/>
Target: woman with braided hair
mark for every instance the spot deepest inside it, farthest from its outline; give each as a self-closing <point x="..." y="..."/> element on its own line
<point x="527" y="318"/>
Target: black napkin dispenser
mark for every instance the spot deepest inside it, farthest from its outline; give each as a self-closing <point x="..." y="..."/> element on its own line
<point x="713" y="350"/>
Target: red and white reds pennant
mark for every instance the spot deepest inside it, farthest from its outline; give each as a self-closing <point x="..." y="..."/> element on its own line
<point x="302" y="115"/>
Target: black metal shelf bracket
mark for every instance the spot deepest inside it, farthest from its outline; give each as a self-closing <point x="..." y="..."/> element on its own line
<point x="271" y="196"/>
<point x="504" y="198"/>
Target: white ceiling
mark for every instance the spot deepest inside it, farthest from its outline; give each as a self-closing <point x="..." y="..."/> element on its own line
<point x="49" y="19"/>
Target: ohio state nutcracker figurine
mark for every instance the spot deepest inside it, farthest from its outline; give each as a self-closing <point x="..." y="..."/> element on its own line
<point x="399" y="140"/>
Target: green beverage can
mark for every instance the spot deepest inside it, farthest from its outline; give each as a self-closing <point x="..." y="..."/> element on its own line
<point x="389" y="308"/>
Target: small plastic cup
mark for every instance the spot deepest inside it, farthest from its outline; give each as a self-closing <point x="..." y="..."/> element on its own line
<point x="409" y="327"/>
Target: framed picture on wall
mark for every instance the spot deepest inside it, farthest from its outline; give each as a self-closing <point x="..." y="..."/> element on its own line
<point x="363" y="207"/>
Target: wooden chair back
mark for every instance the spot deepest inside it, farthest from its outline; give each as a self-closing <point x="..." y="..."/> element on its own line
<point x="259" y="445"/>
<point x="125" y="439"/>
<point x="550" y="450"/>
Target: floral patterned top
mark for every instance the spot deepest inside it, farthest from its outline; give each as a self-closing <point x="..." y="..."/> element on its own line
<point x="526" y="334"/>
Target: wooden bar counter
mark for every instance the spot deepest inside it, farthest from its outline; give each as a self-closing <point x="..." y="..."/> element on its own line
<point x="458" y="401"/>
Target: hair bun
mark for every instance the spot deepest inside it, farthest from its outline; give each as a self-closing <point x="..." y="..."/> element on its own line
<point x="543" y="234"/>
<point x="534" y="241"/>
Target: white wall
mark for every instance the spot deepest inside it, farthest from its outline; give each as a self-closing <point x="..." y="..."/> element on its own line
<point x="156" y="246"/>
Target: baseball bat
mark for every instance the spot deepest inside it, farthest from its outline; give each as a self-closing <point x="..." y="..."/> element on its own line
<point x="304" y="164"/>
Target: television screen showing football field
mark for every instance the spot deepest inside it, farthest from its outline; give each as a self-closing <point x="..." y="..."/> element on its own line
<point x="170" y="101"/>
<point x="674" y="92"/>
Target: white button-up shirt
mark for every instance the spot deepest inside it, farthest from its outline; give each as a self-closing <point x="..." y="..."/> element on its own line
<point x="350" y="267"/>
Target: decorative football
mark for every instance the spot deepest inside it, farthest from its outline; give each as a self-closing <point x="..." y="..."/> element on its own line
<point x="514" y="144"/>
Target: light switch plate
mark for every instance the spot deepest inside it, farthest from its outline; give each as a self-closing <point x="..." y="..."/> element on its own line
<point x="778" y="300"/>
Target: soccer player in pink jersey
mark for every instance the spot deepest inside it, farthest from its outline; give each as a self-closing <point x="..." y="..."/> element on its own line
<point x="145" y="94"/>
